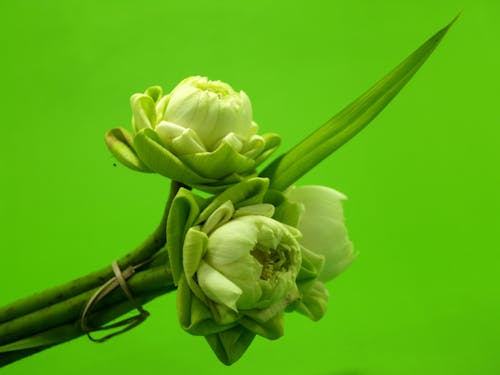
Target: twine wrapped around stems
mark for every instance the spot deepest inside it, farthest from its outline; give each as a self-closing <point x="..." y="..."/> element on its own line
<point x="119" y="280"/>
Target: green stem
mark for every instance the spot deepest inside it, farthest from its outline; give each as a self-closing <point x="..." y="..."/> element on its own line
<point x="76" y="287"/>
<point x="72" y="330"/>
<point x="70" y="310"/>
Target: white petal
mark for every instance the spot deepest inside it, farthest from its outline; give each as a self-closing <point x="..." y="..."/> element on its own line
<point x="322" y="227"/>
<point x="232" y="140"/>
<point x="231" y="242"/>
<point x="168" y="130"/>
<point x="217" y="287"/>
<point x="182" y="141"/>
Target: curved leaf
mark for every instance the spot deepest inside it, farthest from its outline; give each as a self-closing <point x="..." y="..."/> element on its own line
<point x="292" y="165"/>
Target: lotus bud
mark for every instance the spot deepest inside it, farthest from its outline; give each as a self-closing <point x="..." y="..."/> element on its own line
<point x="322" y="227"/>
<point x="201" y="134"/>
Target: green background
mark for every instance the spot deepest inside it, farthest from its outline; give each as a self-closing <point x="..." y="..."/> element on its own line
<point x="422" y="179"/>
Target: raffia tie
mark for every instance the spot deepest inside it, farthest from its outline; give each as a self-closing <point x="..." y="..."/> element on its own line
<point x="119" y="280"/>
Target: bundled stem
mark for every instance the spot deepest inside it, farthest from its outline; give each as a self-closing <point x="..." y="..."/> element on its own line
<point x="60" y="322"/>
<point x="91" y="281"/>
<point x="51" y="317"/>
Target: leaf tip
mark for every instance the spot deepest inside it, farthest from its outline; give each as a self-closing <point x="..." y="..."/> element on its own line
<point x="454" y="19"/>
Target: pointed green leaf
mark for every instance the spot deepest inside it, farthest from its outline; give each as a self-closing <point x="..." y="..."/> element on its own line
<point x="292" y="165"/>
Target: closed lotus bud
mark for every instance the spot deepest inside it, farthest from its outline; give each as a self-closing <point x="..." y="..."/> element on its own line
<point x="201" y="134"/>
<point x="249" y="264"/>
<point x="213" y="110"/>
<point x="322" y="227"/>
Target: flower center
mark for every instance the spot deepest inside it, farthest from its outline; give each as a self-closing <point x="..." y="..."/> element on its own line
<point x="217" y="87"/>
<point x="272" y="260"/>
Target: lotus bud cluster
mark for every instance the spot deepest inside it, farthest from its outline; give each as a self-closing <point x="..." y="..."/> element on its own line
<point x="245" y="256"/>
<point x="239" y="265"/>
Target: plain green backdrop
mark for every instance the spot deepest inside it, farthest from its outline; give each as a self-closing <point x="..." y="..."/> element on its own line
<point x="422" y="179"/>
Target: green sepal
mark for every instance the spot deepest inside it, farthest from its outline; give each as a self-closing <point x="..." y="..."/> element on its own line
<point x="143" y="111"/>
<point x="271" y="329"/>
<point x="313" y="301"/>
<point x="292" y="165"/>
<point x="273" y="141"/>
<point x="195" y="245"/>
<point x="245" y="193"/>
<point x="219" y="163"/>
<point x="153" y="153"/>
<point x="120" y="143"/>
<point x="311" y="266"/>
<point x="155" y="92"/>
<point x="182" y="214"/>
<point x="231" y="344"/>
<point x="274" y="197"/>
<point x="195" y="316"/>
<point x="224" y="183"/>
<point x="288" y="212"/>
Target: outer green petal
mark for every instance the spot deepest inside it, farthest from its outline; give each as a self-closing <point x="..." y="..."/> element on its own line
<point x="143" y="112"/>
<point x="195" y="245"/>
<point x="312" y="264"/>
<point x="289" y="212"/>
<point x="219" y="217"/>
<point x="230" y="345"/>
<point x="271" y="329"/>
<point x="195" y="316"/>
<point x="120" y="143"/>
<point x="314" y="301"/>
<point x="219" y="163"/>
<point x="162" y="161"/>
<point x="225" y="183"/>
<point x="273" y="141"/>
<point x="245" y="193"/>
<point x="181" y="216"/>
<point x="254" y="146"/>
<point x="155" y="92"/>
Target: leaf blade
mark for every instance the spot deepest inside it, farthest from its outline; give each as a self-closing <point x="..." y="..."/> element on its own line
<point x="292" y="165"/>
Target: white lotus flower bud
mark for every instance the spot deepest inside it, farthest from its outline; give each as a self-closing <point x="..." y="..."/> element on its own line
<point x="201" y="134"/>
<point x="322" y="227"/>
<point x="212" y="109"/>
<point x="251" y="270"/>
